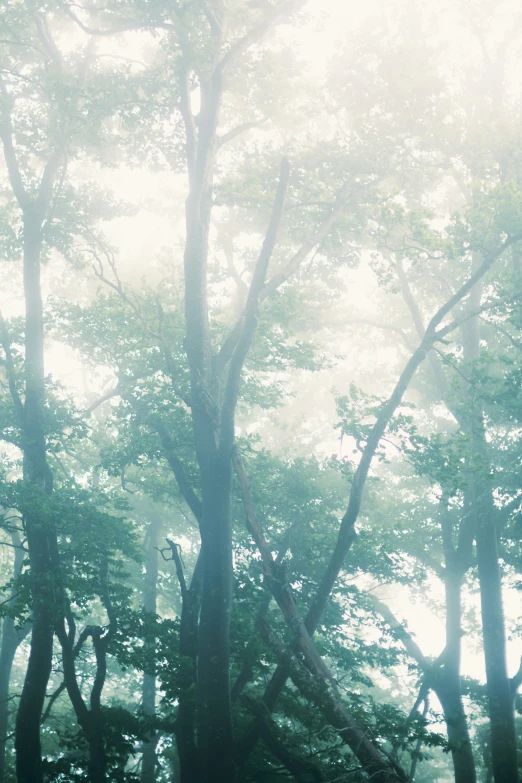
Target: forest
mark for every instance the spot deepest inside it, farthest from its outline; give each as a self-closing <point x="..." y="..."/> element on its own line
<point x="260" y="391"/>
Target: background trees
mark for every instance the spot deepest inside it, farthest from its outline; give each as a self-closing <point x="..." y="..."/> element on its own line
<point x="279" y="296"/>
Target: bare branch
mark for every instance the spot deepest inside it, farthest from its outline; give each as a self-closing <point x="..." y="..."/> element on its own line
<point x="250" y="514"/>
<point x="215" y="25"/>
<point x="383" y="327"/>
<point x="132" y="301"/>
<point x="178" y="562"/>
<point x="465" y="289"/>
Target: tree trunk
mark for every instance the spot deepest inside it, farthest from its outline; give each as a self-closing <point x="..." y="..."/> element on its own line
<point x="148" y="690"/>
<point x="448" y="686"/>
<point x="500" y="698"/>
<point x="11" y="639"/>
<point x="189" y="759"/>
<point x="215" y="736"/>
<point x="41" y="535"/>
<point x="483" y="514"/>
<point x="448" y="693"/>
<point x="447" y="682"/>
<point x="97" y="758"/>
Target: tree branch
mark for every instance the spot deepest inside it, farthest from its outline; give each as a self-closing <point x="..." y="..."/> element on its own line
<point x="52" y="698"/>
<point x="516" y="680"/>
<point x="246" y="335"/>
<point x="302" y="769"/>
<point x="293" y="265"/>
<point x="188" y="117"/>
<point x="107" y="396"/>
<point x="237" y="131"/>
<point x="5" y="342"/>
<point x="347" y="533"/>
<point x="178" y="563"/>
<point x="247" y="669"/>
<point x="46" y="39"/>
<point x="376" y="764"/>
<point x="6" y="135"/>
<point x="258" y="32"/>
<point x="124" y="28"/>
<point x="175" y="464"/>
<point x="400" y="632"/>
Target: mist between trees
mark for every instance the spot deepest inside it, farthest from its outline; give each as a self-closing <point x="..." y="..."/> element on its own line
<point x="260" y="391"/>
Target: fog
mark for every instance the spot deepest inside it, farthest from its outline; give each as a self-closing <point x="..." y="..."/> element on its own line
<point x="260" y="365"/>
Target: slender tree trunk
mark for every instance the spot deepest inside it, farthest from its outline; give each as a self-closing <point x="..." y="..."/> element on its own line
<point x="188" y="754"/>
<point x="447" y="683"/>
<point x="148" y="690"/>
<point x="481" y="508"/>
<point x="11" y="639"/>
<point x="500" y="697"/>
<point x="41" y="535"/>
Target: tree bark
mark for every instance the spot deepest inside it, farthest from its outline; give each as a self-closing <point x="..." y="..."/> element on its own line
<point x="41" y="535"/>
<point x="189" y="758"/>
<point x="215" y="734"/>
<point x="447" y="683"/>
<point x="312" y="685"/>
<point x="90" y="718"/>
<point x="500" y="697"/>
<point x="325" y="693"/>
<point x="148" y="688"/>
<point x="11" y="639"/>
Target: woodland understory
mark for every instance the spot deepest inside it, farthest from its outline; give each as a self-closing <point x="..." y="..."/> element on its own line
<point x="260" y="391"/>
